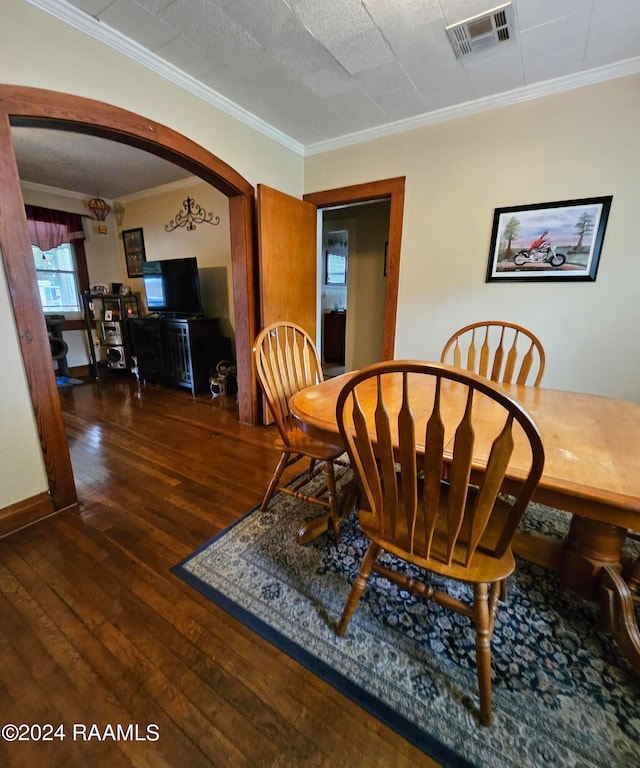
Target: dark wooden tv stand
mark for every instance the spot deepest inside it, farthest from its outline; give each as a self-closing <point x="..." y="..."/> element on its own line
<point x="181" y="352"/>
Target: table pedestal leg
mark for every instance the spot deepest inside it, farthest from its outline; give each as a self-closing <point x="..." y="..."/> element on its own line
<point x="633" y="576"/>
<point x="347" y="500"/>
<point x="591" y="567"/>
<point x="616" y="606"/>
<point x="589" y="547"/>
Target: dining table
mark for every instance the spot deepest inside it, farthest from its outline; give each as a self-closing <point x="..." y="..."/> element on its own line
<point x="591" y="472"/>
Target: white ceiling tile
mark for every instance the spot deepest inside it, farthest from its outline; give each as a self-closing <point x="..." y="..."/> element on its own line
<point x="531" y="13"/>
<point x="439" y="96"/>
<point x="266" y="21"/>
<point x="332" y="21"/>
<point x="609" y="50"/>
<point x="154" y="5"/>
<point x="556" y="63"/>
<point x="563" y="32"/>
<point x="356" y="110"/>
<point x="134" y="21"/>
<point x="396" y="19"/>
<point x="244" y="59"/>
<point x="426" y="48"/>
<point x="92" y="7"/>
<point x="444" y="88"/>
<point x="495" y="74"/>
<point x="329" y="81"/>
<point x="186" y="55"/>
<point x="300" y="59"/>
<point x="399" y="105"/>
<point x="455" y="11"/>
<point x="619" y="12"/>
<point x="385" y="79"/>
<point x="201" y="22"/>
<point x="615" y="32"/>
<point x="279" y="31"/>
<point x="363" y="51"/>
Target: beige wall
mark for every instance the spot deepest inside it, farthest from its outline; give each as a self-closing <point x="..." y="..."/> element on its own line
<point x="37" y="50"/>
<point x="22" y="472"/>
<point x="210" y="244"/>
<point x="579" y="144"/>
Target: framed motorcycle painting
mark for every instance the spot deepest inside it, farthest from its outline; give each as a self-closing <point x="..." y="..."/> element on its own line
<point x="548" y="241"/>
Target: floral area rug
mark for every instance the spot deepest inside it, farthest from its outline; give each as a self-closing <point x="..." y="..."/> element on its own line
<point x="563" y="694"/>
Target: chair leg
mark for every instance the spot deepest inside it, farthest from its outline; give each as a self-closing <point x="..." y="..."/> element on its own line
<point x="366" y="566"/>
<point x="482" y="619"/>
<point x="275" y="479"/>
<point x="333" y="500"/>
<point x="349" y="498"/>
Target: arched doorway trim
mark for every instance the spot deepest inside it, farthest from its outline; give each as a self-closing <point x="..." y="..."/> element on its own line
<point x="37" y="107"/>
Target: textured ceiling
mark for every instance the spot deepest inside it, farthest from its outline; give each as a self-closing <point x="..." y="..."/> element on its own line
<point x="89" y="165"/>
<point x="316" y="70"/>
<point x="319" y="73"/>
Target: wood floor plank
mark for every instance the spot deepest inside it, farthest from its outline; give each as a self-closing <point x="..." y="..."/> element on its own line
<point x="122" y="698"/>
<point x="94" y="626"/>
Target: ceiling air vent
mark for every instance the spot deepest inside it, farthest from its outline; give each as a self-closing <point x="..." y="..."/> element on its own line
<point x="482" y="31"/>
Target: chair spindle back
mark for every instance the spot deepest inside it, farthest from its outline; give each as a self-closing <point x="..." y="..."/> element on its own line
<point x="401" y="456"/>
<point x="286" y="362"/>
<point x="502" y="352"/>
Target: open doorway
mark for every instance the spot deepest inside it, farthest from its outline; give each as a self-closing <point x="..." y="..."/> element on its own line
<point x="391" y="192"/>
<point x="59" y="173"/>
<point x="352" y="285"/>
<point x="25" y="106"/>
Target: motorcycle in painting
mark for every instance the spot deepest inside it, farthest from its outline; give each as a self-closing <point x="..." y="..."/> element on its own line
<point x="539" y="252"/>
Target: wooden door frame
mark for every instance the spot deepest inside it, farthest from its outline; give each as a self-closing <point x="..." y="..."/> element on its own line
<point x="41" y="108"/>
<point x="392" y="189"/>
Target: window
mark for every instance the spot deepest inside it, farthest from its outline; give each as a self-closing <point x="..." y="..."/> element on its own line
<point x="335" y="268"/>
<point x="57" y="278"/>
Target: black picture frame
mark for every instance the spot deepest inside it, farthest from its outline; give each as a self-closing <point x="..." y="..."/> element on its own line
<point x="569" y="234"/>
<point x="134" y="252"/>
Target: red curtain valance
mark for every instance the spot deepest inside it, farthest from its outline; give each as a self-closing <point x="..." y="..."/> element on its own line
<point x="48" y="228"/>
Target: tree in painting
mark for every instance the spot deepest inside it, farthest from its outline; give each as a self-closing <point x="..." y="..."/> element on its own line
<point x="584" y="226"/>
<point x="510" y="233"/>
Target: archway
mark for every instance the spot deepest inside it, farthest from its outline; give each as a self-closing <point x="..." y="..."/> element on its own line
<point x="40" y="108"/>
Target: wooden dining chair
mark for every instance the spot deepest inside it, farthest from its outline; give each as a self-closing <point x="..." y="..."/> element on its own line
<point x="503" y="352"/>
<point x="399" y="429"/>
<point x="287" y="361"/>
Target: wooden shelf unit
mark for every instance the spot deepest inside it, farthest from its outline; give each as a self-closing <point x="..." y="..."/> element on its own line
<point x="114" y="333"/>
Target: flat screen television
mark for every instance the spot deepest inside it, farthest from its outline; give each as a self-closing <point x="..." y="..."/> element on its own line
<point x="172" y="287"/>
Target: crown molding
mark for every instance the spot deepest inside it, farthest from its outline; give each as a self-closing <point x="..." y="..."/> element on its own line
<point x="190" y="181"/>
<point x="32" y="185"/>
<point x="527" y="93"/>
<point x="81" y="21"/>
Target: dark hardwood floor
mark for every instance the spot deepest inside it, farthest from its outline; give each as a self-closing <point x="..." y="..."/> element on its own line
<point x="95" y="629"/>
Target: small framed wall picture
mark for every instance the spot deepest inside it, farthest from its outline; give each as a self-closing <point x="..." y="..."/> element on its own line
<point x="134" y="252"/>
<point x="108" y="315"/>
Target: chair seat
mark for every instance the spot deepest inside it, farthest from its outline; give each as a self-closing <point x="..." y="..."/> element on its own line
<point x="300" y="442"/>
<point x="484" y="567"/>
